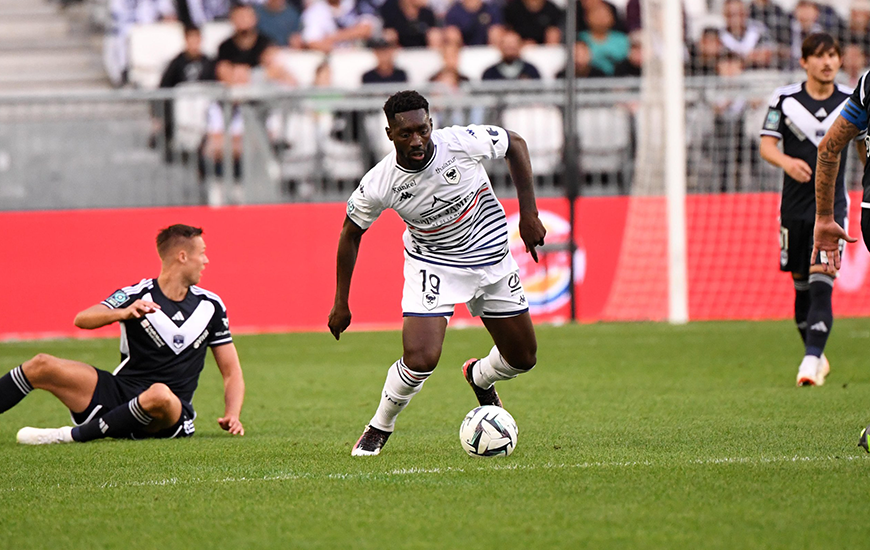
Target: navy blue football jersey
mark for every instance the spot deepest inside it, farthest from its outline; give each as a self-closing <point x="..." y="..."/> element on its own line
<point x="801" y="122"/>
<point x="856" y="112"/>
<point x="168" y="345"/>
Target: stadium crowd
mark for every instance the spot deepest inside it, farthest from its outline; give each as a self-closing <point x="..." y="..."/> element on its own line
<point x="734" y="35"/>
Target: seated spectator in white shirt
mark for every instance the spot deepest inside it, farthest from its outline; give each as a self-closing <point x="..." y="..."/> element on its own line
<point x="747" y="38"/>
<point x="327" y="24"/>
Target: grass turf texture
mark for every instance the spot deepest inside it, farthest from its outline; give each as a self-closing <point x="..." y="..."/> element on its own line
<point x="638" y="435"/>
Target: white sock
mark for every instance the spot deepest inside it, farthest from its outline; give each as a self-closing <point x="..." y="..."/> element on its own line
<point x="491" y="369"/>
<point x="401" y="385"/>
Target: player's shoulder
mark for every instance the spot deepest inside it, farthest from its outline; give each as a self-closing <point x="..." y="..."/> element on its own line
<point x="844" y="89"/>
<point x="785" y="91"/>
<point x="378" y="178"/>
<point x="208" y="295"/>
<point x="142" y="287"/>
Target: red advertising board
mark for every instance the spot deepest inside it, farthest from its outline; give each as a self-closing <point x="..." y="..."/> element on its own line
<point x="274" y="266"/>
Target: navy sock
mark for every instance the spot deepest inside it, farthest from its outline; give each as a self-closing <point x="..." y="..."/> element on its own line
<point x="801" y="307"/>
<point x="119" y="422"/>
<point x="821" y="316"/>
<point x="14" y="387"/>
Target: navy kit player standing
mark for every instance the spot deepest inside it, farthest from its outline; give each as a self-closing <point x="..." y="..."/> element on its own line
<point x="456" y="251"/>
<point x="799" y="115"/>
<point x="167" y="324"/>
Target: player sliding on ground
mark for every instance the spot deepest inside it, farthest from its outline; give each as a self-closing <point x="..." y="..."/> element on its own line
<point x="167" y="324"/>
<point x="456" y="251"/>
<point x="798" y="115"/>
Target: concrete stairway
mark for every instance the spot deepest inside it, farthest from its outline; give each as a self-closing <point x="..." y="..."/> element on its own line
<point x="43" y="48"/>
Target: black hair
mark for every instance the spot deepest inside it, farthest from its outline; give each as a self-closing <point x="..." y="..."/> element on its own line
<point x="819" y="43"/>
<point x="404" y="101"/>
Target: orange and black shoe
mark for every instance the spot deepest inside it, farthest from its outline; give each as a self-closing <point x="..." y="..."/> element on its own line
<point x="370" y="442"/>
<point x="484" y="397"/>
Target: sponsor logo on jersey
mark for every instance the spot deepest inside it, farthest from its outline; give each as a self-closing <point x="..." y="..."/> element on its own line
<point x="494" y="134"/>
<point x="547" y="284"/>
<point x="821" y="113"/>
<point x="118" y="298"/>
<point x="178" y="317"/>
<point x="470" y="131"/>
<point x="149" y="330"/>
<point x="452" y="176"/>
<point x="201" y="339"/>
<point x="446" y="165"/>
<point x="404" y="186"/>
<point x="405" y="196"/>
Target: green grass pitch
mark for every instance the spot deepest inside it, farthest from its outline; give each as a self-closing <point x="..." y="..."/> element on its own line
<point x="631" y="435"/>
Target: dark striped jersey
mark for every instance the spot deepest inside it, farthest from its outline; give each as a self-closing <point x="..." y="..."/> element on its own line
<point x="451" y="214"/>
<point x="801" y="122"/>
<point x="856" y="111"/>
<point x="169" y="345"/>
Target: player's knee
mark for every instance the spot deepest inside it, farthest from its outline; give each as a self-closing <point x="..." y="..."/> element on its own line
<point x="39" y="367"/>
<point x="156" y="399"/>
<point x="422" y="360"/>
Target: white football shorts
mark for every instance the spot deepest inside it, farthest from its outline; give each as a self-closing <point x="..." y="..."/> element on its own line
<point x="433" y="290"/>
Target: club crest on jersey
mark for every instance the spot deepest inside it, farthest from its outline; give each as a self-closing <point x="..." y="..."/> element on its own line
<point x="452" y="176"/>
<point x="430" y="300"/>
<point x="178" y="341"/>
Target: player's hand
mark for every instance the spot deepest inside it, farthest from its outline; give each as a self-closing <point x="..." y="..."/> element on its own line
<point x="826" y="238"/>
<point x="139" y="309"/>
<point x="532" y="231"/>
<point x="339" y="320"/>
<point x="232" y="424"/>
<point x="798" y="170"/>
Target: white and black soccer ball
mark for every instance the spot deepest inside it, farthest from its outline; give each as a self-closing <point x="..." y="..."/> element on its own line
<point x="488" y="431"/>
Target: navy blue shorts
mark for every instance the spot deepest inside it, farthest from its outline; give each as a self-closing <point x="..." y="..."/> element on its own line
<point x="109" y="394"/>
<point x="796" y="245"/>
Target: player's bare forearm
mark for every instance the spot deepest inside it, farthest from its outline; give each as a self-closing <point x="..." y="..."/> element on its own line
<point x="770" y="152"/>
<point x="99" y="315"/>
<point x="227" y="358"/>
<point x="348" y="249"/>
<point x="828" y="163"/>
<point x="532" y="231"/>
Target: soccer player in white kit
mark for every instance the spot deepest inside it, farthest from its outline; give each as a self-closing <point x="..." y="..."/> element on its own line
<point x="456" y="251"/>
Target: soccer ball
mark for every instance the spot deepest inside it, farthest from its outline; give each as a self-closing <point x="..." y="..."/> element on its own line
<point x="488" y="431"/>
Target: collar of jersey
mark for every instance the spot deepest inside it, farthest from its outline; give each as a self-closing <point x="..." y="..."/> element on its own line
<point x="428" y="164"/>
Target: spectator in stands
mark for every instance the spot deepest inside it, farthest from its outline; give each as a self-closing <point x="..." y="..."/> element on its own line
<point x="411" y="24"/>
<point x="805" y="22"/>
<point x="704" y="56"/>
<point x="474" y="23"/>
<point x="196" y="13"/>
<point x="386" y="70"/>
<point x="125" y="14"/>
<point x="536" y="21"/>
<point x="327" y="24"/>
<point x="857" y="29"/>
<point x="247" y="50"/>
<point x="280" y="22"/>
<point x="191" y="65"/>
<point x="632" y="9"/>
<point x="608" y="46"/>
<point x="633" y="64"/>
<point x="448" y="82"/>
<point x="583" y="67"/>
<point x="511" y="67"/>
<point x="449" y="74"/>
<point x="745" y="37"/>
<point x="776" y="19"/>
<point x="854" y="63"/>
<point x="730" y="147"/>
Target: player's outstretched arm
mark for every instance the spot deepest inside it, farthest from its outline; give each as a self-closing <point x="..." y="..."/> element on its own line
<point x="99" y="315"/>
<point x="348" y="249"/>
<point x="227" y="359"/>
<point x="532" y="230"/>
<point x="827" y="232"/>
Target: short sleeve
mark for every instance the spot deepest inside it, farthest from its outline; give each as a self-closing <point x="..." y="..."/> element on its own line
<point x="855" y="109"/>
<point x="364" y="205"/>
<point x="119" y="299"/>
<point x="219" y="327"/>
<point x="773" y="121"/>
<point x="483" y="141"/>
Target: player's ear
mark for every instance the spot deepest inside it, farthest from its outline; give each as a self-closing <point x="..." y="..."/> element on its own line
<point x="389" y="133"/>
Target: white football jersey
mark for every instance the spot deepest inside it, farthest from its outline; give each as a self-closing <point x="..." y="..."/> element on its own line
<point x="452" y="215"/>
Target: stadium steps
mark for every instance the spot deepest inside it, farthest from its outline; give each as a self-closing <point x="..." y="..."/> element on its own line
<point x="44" y="48"/>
